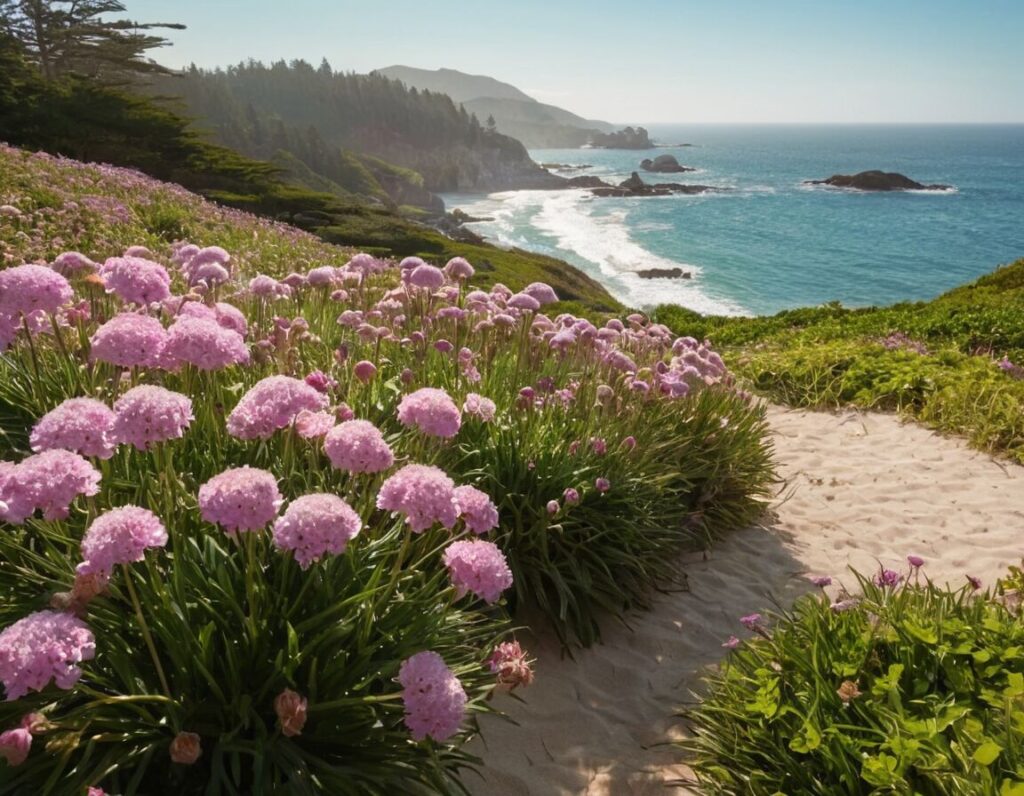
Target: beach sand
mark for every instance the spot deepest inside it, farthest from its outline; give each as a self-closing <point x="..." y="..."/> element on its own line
<point x="858" y="489"/>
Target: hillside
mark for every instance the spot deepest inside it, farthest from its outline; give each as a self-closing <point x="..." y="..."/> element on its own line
<point x="536" y="124"/>
<point x="955" y="363"/>
<point x="264" y="109"/>
<point x="460" y="86"/>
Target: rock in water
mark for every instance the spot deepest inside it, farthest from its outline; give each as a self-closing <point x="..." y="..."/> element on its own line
<point x="663" y="273"/>
<point x="876" y="180"/>
<point x="664" y="164"/>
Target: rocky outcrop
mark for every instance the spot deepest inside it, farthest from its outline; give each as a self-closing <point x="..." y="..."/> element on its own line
<point x="664" y="164"/>
<point x="587" y="181"/>
<point x="664" y="273"/>
<point x="876" y="181"/>
<point x="626" y="138"/>
<point x="635" y="186"/>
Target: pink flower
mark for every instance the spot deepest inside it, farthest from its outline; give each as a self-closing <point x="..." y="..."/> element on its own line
<point x="290" y="708"/>
<point x="459" y="268"/>
<point x="751" y="622"/>
<point x="96" y="792"/>
<point x="480" y="407"/>
<point x="121" y="536"/>
<point x="136" y="280"/>
<point x="25" y="289"/>
<point x="315" y="525"/>
<point x="310" y="425"/>
<point x="149" y="414"/>
<point x="731" y="643"/>
<point x="44" y="646"/>
<point x="272" y="404"/>
<point x="320" y="381"/>
<point x="479" y="567"/>
<point x="49" y="481"/>
<point x="511" y="664"/>
<point x="365" y="371"/>
<point x="476" y="509"/>
<point x="129" y="340"/>
<point x="70" y="262"/>
<point x="915" y="561"/>
<point x="974" y="581"/>
<point x="358" y="447"/>
<point x="542" y="292"/>
<point x="598" y="445"/>
<point x="321" y="276"/>
<point x="423" y="493"/>
<point x="15" y="746"/>
<point x="434" y="699"/>
<point x="524" y="301"/>
<point x="81" y="425"/>
<point x="602" y="484"/>
<point x="629" y="443"/>
<point x="240" y="499"/>
<point x="553" y="507"/>
<point x="432" y="411"/>
<point x="203" y="342"/>
<point x="822" y="582"/>
<point x="888" y="578"/>
<point x="426" y="276"/>
<point x="571" y="496"/>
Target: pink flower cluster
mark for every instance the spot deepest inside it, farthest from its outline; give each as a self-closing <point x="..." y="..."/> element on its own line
<point x="26" y="289"/>
<point x="479" y="567"/>
<point x="423" y="493"/>
<point x="476" y="509"/>
<point x="136" y="280"/>
<point x="434" y="699"/>
<point x="511" y="664"/>
<point x="48" y="481"/>
<point x="480" y="407"/>
<point x="240" y="499"/>
<point x="358" y="447"/>
<point x="272" y="404"/>
<point x="43" y="647"/>
<point x="205" y="343"/>
<point x="432" y="411"/>
<point x="148" y="414"/>
<point x="121" y="536"/>
<point x="129" y="340"/>
<point x="316" y="525"/>
<point x="80" y="425"/>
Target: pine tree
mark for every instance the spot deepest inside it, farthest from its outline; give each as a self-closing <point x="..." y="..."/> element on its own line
<point x="71" y="37"/>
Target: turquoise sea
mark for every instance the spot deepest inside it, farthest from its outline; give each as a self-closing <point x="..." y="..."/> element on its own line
<point x="770" y="242"/>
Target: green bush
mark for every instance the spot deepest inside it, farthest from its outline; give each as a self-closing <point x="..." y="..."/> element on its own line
<point x="909" y="689"/>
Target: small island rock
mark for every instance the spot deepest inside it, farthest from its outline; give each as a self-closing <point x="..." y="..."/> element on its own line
<point x="876" y="180"/>
<point x="664" y="164"/>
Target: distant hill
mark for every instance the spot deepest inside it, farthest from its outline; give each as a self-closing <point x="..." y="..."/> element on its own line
<point x="332" y="122"/>
<point x="515" y="113"/>
<point x="457" y="85"/>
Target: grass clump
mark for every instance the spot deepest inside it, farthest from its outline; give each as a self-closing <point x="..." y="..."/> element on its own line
<point x="952" y="363"/>
<point x="908" y="689"/>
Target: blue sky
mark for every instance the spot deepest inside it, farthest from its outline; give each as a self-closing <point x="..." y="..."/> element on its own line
<point x="656" y="61"/>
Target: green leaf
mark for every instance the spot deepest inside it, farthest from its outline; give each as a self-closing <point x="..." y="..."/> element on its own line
<point x="987" y="753"/>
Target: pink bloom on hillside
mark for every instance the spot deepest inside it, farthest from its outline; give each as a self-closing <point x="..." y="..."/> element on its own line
<point x="148" y="414"/>
<point x="432" y="411"/>
<point x="204" y="343"/>
<point x="129" y="340"/>
<point x="542" y="292"/>
<point x="423" y="493"/>
<point x="316" y="525"/>
<point x="272" y="404"/>
<point x="476" y="509"/>
<point x="434" y="699"/>
<point x="49" y="481"/>
<point x="479" y="406"/>
<point x="69" y="263"/>
<point x="25" y="289"/>
<point x="43" y="647"/>
<point x="81" y="425"/>
<point x="479" y="567"/>
<point x="310" y="425"/>
<point x="15" y="746"/>
<point x="358" y="446"/>
<point x="136" y="280"/>
<point x="240" y="499"/>
<point x="426" y="276"/>
<point x="121" y="536"/>
<point x="459" y="268"/>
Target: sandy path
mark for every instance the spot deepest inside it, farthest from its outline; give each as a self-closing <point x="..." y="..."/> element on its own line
<point x="860" y="488"/>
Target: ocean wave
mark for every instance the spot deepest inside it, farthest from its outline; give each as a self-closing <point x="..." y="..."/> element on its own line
<point x="806" y="186"/>
<point x="600" y="244"/>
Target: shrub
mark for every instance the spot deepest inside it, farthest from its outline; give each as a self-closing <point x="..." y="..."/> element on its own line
<point x="909" y="688"/>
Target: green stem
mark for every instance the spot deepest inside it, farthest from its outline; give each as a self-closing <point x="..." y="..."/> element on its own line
<point x="145" y="632"/>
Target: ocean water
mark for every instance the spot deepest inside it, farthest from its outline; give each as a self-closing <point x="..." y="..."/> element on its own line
<point x="770" y="242"/>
